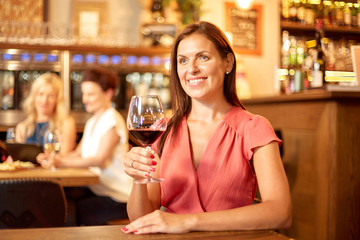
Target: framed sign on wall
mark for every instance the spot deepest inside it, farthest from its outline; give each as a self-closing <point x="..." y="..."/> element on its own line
<point x="245" y="27"/>
<point x="88" y="16"/>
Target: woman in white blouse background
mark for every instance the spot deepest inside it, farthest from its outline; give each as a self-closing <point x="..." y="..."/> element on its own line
<point x="104" y="142"/>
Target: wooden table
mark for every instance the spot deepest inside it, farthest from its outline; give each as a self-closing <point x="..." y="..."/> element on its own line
<point x="114" y="232"/>
<point x="68" y="177"/>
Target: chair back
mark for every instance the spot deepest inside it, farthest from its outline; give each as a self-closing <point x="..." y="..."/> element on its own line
<point x="26" y="203"/>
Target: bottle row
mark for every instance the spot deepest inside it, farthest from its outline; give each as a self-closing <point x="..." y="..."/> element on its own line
<point x="308" y="64"/>
<point x="335" y="13"/>
<point x="299" y="52"/>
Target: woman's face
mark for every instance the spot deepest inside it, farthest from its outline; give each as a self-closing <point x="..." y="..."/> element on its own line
<point x="93" y="96"/>
<point x="45" y="100"/>
<point x="200" y="67"/>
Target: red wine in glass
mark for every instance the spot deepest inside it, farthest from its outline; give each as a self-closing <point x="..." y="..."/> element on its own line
<point x="146" y="121"/>
<point x="145" y="136"/>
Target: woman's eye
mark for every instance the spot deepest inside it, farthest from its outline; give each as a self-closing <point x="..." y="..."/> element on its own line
<point x="202" y="57"/>
<point x="182" y="61"/>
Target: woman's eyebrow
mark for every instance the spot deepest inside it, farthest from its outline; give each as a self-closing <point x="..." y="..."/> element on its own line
<point x="198" y="53"/>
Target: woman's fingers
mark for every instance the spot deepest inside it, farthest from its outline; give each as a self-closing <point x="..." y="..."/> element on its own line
<point x="156" y="222"/>
<point x="139" y="162"/>
<point x="44" y="160"/>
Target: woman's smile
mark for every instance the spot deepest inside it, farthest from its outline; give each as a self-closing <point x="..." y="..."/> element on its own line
<point x="196" y="81"/>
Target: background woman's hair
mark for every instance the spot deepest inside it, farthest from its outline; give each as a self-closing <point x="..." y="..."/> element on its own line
<point x="106" y="78"/>
<point x="181" y="102"/>
<point x="60" y="112"/>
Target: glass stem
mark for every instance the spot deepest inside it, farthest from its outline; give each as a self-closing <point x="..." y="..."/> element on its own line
<point x="148" y="148"/>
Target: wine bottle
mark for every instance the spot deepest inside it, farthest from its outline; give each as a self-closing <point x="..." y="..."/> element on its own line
<point x="309" y="13"/>
<point x="354" y="15"/>
<point x="339" y="13"/>
<point x="293" y="10"/>
<point x="319" y="63"/>
<point x="347" y="14"/>
<point x="301" y="12"/>
<point x="299" y="71"/>
<point x="156" y="10"/>
<point x="285" y="10"/>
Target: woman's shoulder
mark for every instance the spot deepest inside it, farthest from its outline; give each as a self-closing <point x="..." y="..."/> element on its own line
<point x="111" y="117"/>
<point x="21" y="124"/>
<point x="238" y="117"/>
<point x="238" y="114"/>
<point x="20" y="130"/>
<point x="69" y="119"/>
<point x="69" y="122"/>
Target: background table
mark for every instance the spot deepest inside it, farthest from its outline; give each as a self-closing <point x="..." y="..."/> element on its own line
<point x="114" y="232"/>
<point x="68" y="177"/>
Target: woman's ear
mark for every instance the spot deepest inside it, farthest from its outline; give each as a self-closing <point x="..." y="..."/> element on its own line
<point x="109" y="93"/>
<point x="230" y="59"/>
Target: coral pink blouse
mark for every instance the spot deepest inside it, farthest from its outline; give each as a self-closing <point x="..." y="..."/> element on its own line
<point x="225" y="178"/>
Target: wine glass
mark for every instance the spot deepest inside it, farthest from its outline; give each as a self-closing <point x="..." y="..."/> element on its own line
<point x="10" y="135"/>
<point x="146" y="121"/>
<point x="52" y="144"/>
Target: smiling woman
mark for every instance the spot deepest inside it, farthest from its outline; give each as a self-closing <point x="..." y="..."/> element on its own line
<point x="213" y="153"/>
<point x="200" y="64"/>
<point x="45" y="109"/>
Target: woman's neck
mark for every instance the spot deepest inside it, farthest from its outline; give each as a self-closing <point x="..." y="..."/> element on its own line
<point x="100" y="111"/>
<point x="40" y="118"/>
<point x="208" y="112"/>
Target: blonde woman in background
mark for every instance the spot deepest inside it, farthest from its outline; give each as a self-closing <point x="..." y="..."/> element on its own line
<point x="45" y="109"/>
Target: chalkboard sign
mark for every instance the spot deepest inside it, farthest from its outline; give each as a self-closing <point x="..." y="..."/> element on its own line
<point x="245" y="27"/>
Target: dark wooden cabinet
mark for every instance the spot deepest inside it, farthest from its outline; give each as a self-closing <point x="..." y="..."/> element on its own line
<point x="321" y="134"/>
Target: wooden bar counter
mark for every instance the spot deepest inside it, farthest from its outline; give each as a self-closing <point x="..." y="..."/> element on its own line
<point x="321" y="134"/>
<point x="114" y="232"/>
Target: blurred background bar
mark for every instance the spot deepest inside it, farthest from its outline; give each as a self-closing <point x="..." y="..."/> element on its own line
<point x="296" y="65"/>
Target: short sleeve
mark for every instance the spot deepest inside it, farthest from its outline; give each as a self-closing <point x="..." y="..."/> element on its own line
<point x="259" y="132"/>
<point x="108" y="121"/>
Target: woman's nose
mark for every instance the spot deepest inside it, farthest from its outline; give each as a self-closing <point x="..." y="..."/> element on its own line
<point x="194" y="67"/>
<point x="44" y="99"/>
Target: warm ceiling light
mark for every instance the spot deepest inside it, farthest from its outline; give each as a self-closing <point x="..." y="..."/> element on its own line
<point x="244" y="4"/>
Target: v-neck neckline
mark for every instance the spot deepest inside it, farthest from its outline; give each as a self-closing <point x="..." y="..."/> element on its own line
<point x="208" y="143"/>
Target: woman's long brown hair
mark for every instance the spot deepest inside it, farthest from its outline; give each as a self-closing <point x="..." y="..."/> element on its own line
<point x="181" y="102"/>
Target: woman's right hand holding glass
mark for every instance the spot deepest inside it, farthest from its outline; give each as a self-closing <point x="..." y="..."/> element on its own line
<point x="46" y="161"/>
<point x="139" y="162"/>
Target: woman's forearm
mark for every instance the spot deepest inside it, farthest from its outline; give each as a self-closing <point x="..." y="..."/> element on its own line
<point x="78" y="162"/>
<point x="139" y="203"/>
<point x="267" y="215"/>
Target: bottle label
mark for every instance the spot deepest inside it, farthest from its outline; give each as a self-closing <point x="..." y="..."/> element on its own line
<point x="317" y="79"/>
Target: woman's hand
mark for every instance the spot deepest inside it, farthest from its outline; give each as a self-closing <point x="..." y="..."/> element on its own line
<point x="139" y="162"/>
<point x="45" y="160"/>
<point x="160" y="222"/>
